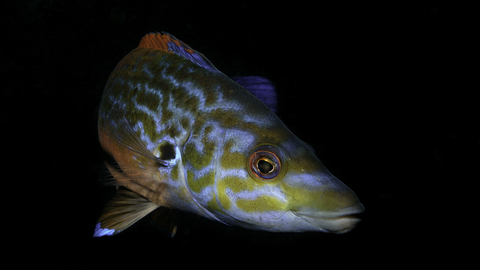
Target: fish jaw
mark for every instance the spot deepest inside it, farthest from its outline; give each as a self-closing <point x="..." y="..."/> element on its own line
<point x="322" y="202"/>
<point x="338" y="222"/>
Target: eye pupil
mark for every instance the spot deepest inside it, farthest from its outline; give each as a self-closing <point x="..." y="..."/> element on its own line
<point x="265" y="166"/>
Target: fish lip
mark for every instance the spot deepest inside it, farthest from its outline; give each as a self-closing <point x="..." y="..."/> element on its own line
<point x="338" y="222"/>
<point x="354" y="210"/>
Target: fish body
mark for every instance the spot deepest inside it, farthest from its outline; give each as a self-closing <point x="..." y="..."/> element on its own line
<point x="183" y="135"/>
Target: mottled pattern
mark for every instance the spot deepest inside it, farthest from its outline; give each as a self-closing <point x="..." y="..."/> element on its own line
<point x="203" y="127"/>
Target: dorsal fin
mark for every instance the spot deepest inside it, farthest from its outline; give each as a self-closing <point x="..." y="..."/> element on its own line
<point x="168" y="43"/>
<point x="260" y="87"/>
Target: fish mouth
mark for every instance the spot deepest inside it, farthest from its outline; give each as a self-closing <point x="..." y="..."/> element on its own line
<point x="337" y="222"/>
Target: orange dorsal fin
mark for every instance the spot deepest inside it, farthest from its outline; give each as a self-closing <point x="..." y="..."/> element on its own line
<point x="168" y="43"/>
<point x="163" y="41"/>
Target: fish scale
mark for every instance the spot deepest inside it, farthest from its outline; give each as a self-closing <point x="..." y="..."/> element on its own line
<point x="183" y="135"/>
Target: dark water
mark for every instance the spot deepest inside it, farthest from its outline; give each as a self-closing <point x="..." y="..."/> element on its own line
<point x="378" y="91"/>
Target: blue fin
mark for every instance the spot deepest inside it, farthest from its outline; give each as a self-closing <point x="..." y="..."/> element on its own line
<point x="99" y="231"/>
<point x="260" y="87"/>
<point x="168" y="43"/>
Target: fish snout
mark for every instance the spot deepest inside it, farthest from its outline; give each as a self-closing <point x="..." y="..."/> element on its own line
<point x="327" y="205"/>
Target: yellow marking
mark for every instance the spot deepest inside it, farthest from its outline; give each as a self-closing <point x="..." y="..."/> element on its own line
<point x="174" y="173"/>
<point x="224" y="199"/>
<point x="262" y="203"/>
<point x="233" y="160"/>
<point x="236" y="184"/>
<point x="212" y="205"/>
<point x="197" y="159"/>
<point x="197" y="184"/>
<point x="321" y="200"/>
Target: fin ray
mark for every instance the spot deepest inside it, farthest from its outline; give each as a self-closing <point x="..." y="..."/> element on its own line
<point x="165" y="42"/>
<point x="127" y="148"/>
<point x="122" y="133"/>
<point x="122" y="211"/>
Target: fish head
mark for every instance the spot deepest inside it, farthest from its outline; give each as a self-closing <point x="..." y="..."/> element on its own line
<point x="285" y="188"/>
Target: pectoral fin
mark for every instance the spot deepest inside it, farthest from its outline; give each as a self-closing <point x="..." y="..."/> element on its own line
<point x="122" y="211"/>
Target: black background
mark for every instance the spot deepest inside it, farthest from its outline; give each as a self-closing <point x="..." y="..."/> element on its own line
<point x="379" y="91"/>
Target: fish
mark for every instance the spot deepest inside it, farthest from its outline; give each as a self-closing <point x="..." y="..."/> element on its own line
<point x="180" y="134"/>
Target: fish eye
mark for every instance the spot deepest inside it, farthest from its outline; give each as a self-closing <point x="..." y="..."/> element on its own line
<point x="265" y="163"/>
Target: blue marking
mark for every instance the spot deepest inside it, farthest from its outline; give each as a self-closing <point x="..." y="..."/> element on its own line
<point x="99" y="232"/>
